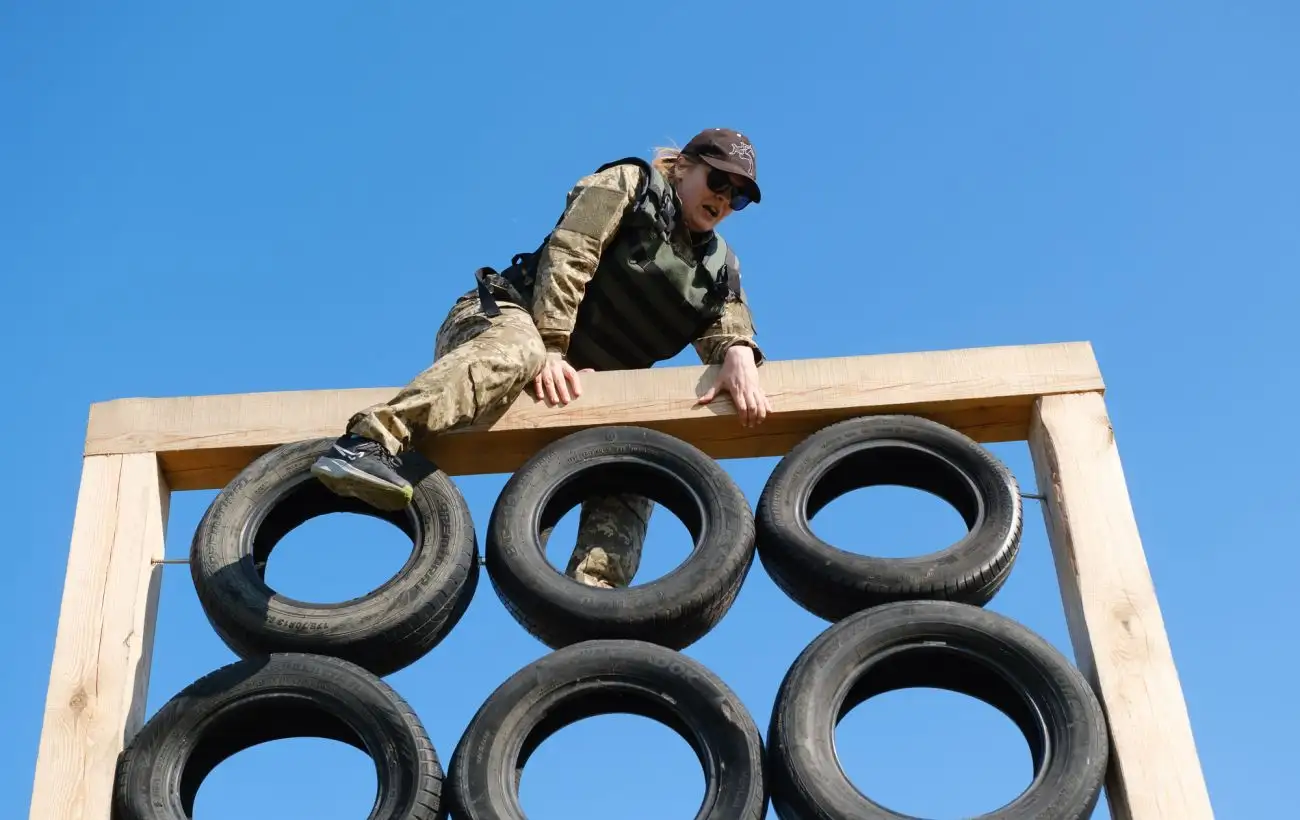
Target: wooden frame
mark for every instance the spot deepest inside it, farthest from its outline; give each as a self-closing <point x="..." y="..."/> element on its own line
<point x="140" y="450"/>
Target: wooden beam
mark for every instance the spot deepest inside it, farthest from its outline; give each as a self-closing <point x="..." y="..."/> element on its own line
<point x="99" y="677"/>
<point x="1114" y="618"/>
<point x="202" y="442"/>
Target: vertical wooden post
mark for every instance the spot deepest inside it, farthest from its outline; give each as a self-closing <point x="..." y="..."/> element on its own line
<point x="99" y="678"/>
<point x="1114" y="618"/>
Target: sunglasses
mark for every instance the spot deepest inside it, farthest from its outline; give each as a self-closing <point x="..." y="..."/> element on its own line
<point x="720" y="183"/>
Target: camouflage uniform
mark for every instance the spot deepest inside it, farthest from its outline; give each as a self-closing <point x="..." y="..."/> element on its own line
<point x="611" y="532"/>
<point x="482" y="363"/>
<point x="596" y="207"/>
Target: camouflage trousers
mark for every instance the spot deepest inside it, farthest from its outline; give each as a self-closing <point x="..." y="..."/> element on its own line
<point x="481" y="364"/>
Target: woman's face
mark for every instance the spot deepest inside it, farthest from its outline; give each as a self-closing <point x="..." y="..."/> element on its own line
<point x="703" y="208"/>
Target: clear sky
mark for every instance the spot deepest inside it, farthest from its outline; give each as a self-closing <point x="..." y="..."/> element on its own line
<point x="235" y="197"/>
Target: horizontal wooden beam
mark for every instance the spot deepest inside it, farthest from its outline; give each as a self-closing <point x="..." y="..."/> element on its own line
<point x="202" y="442"/>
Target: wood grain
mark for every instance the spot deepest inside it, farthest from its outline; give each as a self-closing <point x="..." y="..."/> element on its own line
<point x="203" y="441"/>
<point x="99" y="677"/>
<point x="1114" y="618"/>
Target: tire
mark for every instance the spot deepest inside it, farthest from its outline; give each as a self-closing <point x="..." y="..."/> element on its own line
<point x="602" y="677"/>
<point x="281" y="696"/>
<point x="673" y="611"/>
<point x="946" y="645"/>
<point x="906" y="450"/>
<point x="383" y="631"/>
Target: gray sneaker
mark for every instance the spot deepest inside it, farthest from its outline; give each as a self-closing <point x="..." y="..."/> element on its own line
<point x="361" y="468"/>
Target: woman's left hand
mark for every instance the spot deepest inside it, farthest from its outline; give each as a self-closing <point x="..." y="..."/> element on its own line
<point x="739" y="377"/>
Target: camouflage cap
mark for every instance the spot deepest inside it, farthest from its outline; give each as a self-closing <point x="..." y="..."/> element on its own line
<point x="729" y="151"/>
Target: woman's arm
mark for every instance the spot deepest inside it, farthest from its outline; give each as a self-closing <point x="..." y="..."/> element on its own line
<point x="595" y="207"/>
<point x="730" y="342"/>
<point x="734" y="327"/>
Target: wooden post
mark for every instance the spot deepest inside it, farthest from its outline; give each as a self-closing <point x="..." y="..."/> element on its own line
<point x="99" y="677"/>
<point x="1114" y="618"/>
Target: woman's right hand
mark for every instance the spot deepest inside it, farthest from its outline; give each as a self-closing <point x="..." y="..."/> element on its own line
<point x="557" y="382"/>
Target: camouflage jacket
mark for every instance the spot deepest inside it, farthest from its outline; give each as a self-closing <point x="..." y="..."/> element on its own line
<point x="595" y="208"/>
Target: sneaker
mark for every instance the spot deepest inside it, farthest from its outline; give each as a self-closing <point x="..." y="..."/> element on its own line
<point x="361" y="468"/>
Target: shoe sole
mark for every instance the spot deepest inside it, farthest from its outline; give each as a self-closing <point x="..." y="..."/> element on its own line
<point x="345" y="480"/>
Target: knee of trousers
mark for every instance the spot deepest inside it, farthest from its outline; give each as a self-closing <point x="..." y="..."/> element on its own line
<point x="502" y="362"/>
<point x="524" y="351"/>
<point x="510" y="339"/>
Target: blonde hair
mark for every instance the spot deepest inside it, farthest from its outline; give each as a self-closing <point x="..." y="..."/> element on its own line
<point x="671" y="162"/>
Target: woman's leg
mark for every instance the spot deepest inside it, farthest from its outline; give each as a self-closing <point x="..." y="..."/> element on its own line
<point x="481" y="363"/>
<point x="611" y="532"/>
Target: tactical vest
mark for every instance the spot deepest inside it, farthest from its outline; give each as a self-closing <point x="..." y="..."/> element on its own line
<point x="649" y="297"/>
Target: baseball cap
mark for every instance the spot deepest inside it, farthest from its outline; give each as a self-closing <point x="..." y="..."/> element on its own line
<point x="729" y="151"/>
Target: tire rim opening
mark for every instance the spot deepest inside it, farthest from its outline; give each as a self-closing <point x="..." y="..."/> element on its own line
<point x="889" y="521"/>
<point x="666" y="543"/>
<point x="285" y="747"/>
<point x="922" y="710"/>
<point x="330" y="548"/>
<point x="939" y="502"/>
<point x="672" y="533"/>
<point x="588" y="768"/>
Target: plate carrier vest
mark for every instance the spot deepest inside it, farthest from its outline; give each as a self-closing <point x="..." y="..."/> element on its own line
<point x="646" y="302"/>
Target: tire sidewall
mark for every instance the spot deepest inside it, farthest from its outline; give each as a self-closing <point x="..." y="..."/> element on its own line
<point x="831" y="582"/>
<point x="149" y="771"/>
<point x="673" y="610"/>
<point x="433" y="586"/>
<point x="707" y="713"/>
<point x="805" y="769"/>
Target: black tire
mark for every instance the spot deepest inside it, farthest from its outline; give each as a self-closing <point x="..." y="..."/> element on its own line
<point x="905" y="450"/>
<point x="943" y="645"/>
<point x="673" y="611"/>
<point x="383" y="631"/>
<point x="282" y="696"/>
<point x="602" y="677"/>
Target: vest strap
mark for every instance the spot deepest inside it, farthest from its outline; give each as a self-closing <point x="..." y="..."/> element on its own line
<point x="514" y="283"/>
<point x="485" y="298"/>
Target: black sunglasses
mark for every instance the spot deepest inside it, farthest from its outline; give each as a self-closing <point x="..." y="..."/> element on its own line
<point x="720" y="183"/>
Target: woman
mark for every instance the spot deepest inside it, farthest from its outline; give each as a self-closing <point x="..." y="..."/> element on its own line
<point x="633" y="271"/>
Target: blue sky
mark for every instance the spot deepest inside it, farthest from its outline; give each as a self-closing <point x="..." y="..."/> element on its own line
<point x="236" y="197"/>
